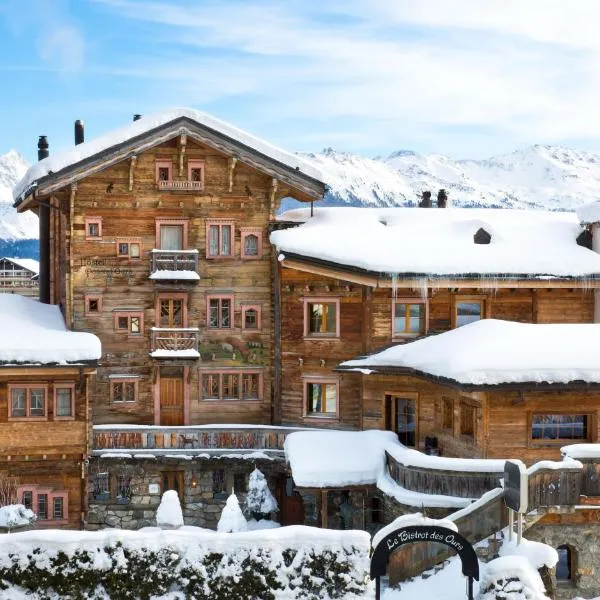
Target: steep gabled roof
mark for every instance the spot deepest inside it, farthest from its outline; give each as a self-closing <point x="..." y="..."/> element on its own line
<point x="70" y="165"/>
<point x="29" y="264"/>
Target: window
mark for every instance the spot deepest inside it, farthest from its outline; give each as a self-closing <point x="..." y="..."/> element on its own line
<point x="448" y="413"/>
<point x="101" y="488"/>
<point x="468" y="310"/>
<point x="47" y="503"/>
<point x="240" y="485"/>
<point x="42" y="506"/>
<point x="322" y="317"/>
<point x="171" y="234"/>
<point x="27" y="499"/>
<point x="467" y="419"/>
<point x="171" y="311"/>
<point x="124" y="390"/>
<point x="58" y="508"/>
<point x="231" y="386"/>
<point x="321" y="398"/>
<point x="129" y="322"/>
<point x="251" y="316"/>
<point x="128" y="248"/>
<point x="559" y="427"/>
<point x="93" y="228"/>
<point x="196" y="172"/>
<point x="218" y="484"/>
<point x="409" y="318"/>
<point x="124" y="488"/>
<point x="564" y="567"/>
<point x="219" y="241"/>
<point x="27" y="401"/>
<point x="64" y="401"/>
<point x="376" y="510"/>
<point x="164" y="170"/>
<point x="251" y="242"/>
<point x="219" y="312"/>
<point x="93" y="305"/>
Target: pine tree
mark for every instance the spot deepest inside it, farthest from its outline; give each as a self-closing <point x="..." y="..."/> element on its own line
<point x="260" y="503"/>
<point x="232" y="519"/>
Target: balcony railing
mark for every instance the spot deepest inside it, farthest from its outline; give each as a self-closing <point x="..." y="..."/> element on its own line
<point x="115" y="437"/>
<point x="182" y="340"/>
<point x="184" y="185"/>
<point x="174" y="264"/>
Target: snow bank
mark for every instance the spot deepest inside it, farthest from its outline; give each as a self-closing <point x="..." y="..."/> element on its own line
<point x="539" y="555"/>
<point x="169" y="514"/>
<point x="491" y="351"/>
<point x="15" y="515"/>
<point x="575" y="451"/>
<point x="36" y="333"/>
<point x="61" y="160"/>
<point x="435" y="242"/>
<point x="511" y="577"/>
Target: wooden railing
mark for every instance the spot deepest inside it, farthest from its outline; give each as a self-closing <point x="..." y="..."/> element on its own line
<point x="180" y="185"/>
<point x="590" y="479"/>
<point x="461" y="484"/>
<point x="189" y="438"/>
<point x="174" y="338"/>
<point x="174" y="260"/>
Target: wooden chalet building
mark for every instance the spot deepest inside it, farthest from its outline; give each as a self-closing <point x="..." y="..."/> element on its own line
<point x="45" y="429"/>
<point x="19" y="276"/>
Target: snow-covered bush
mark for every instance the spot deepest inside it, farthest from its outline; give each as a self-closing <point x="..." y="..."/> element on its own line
<point x="15" y="515"/>
<point x="511" y="578"/>
<point x="232" y="519"/>
<point x="260" y="503"/>
<point x="295" y="563"/>
<point x="169" y="514"/>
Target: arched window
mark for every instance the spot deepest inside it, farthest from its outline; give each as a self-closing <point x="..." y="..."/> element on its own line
<point x="251" y="245"/>
<point x="564" y="567"/>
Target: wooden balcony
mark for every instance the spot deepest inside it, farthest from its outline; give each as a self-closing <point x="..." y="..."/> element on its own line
<point x="180" y="186"/>
<point x="175" y="342"/>
<point x="194" y="439"/>
<point x="174" y="265"/>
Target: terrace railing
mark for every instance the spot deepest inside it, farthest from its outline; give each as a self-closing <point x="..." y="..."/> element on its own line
<point x="174" y="262"/>
<point x="175" y="338"/>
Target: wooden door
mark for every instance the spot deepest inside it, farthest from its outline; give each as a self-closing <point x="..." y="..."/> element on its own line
<point x="173" y="480"/>
<point x="290" y="503"/>
<point x="171" y="312"/>
<point x="401" y="418"/>
<point x="171" y="401"/>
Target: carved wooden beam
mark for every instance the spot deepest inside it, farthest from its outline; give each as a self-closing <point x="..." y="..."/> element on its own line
<point x="274" y="189"/>
<point x="182" y="144"/>
<point x="132" y="162"/>
<point x="231" y="162"/>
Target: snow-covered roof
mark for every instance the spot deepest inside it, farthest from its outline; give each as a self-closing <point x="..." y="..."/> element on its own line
<point x="437" y="242"/>
<point x="491" y="352"/>
<point x="61" y="160"/>
<point x="589" y="213"/>
<point x="25" y="263"/>
<point x="36" y="333"/>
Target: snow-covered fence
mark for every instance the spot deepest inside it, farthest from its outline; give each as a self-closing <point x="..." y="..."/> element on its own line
<point x="290" y="562"/>
<point x="589" y="456"/>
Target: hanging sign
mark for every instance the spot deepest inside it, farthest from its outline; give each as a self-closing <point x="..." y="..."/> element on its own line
<point x="516" y="486"/>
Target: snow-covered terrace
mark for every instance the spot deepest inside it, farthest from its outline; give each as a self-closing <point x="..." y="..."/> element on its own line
<point x="433" y="243"/>
<point x="35" y="333"/>
<point x="494" y="352"/>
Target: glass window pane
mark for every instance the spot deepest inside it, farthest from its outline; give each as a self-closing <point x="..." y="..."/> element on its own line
<point x="213" y="316"/>
<point x="171" y="237"/>
<point x="331" y="317"/>
<point x="135" y="325"/>
<point x="122" y="322"/>
<point x="27" y="499"/>
<point x="467" y="312"/>
<point x="63" y="402"/>
<point x="123" y="249"/>
<point x="251" y="319"/>
<point x="213" y="240"/>
<point x="58" y="508"/>
<point x="42" y="511"/>
<point x="225" y="313"/>
<point x="134" y="250"/>
<point x="416" y="313"/>
<point x="400" y="318"/>
<point x="18" y="402"/>
<point x="93" y="230"/>
<point x="163" y="173"/>
<point x="316" y="318"/>
<point x="129" y="391"/>
<point x="38" y="403"/>
<point x="196" y="174"/>
<point x="251" y="245"/>
<point x="330" y="398"/>
<point x="226" y="240"/>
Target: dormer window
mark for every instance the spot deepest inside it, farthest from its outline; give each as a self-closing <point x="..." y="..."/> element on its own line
<point x="482" y="236"/>
<point x="196" y="173"/>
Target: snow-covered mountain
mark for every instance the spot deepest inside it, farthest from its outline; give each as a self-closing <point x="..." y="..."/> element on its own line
<point x="548" y="177"/>
<point x="16" y="230"/>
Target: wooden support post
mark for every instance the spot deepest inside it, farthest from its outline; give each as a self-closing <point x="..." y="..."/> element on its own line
<point x="511" y="524"/>
<point x="274" y="189"/>
<point x="69" y="250"/>
<point x="182" y="144"/>
<point x="132" y="162"/>
<point x="324" y="510"/>
<point x="231" y="163"/>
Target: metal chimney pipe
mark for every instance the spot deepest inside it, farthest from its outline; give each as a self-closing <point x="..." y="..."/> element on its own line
<point x="79" y="134"/>
<point x="43" y="147"/>
<point x="137" y="117"/>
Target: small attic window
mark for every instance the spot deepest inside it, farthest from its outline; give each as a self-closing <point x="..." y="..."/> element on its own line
<point x="482" y="236"/>
<point x="585" y="239"/>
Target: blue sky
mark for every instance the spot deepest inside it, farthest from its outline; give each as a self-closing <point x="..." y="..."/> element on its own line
<point x="468" y="78"/>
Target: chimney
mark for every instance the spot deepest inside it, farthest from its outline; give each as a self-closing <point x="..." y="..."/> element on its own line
<point x="442" y="198"/>
<point x="425" y="200"/>
<point x="137" y="117"/>
<point x="79" y="136"/>
<point x="43" y="147"/>
<point x="44" y="230"/>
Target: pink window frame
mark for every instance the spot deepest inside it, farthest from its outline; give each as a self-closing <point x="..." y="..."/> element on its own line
<point x="409" y="300"/>
<point x="160" y="221"/>
<point x="133" y="380"/>
<point x="325" y="381"/>
<point x="59" y="385"/>
<point x="129" y="241"/>
<point x="36" y="491"/>
<point x="86" y="300"/>
<point x="97" y="221"/>
<point x="258" y="309"/>
<point x="195" y="164"/>
<point x="162" y="163"/>
<point x="244" y="233"/>
<point x="220" y="372"/>
<point x="221" y="223"/>
<point x="166" y="296"/>
<point x="320" y="336"/>
<point x="210" y="297"/>
<point x="128" y="314"/>
<point x="28" y="387"/>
